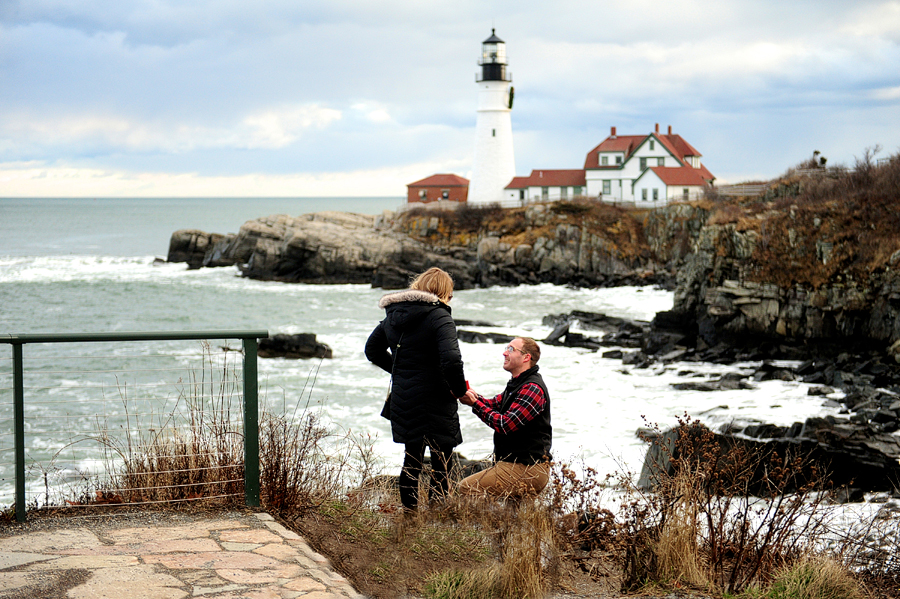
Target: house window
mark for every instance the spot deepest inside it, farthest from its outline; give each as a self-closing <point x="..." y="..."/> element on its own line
<point x="606" y="187"/>
<point x="545" y="193"/>
<point x="604" y="160"/>
<point x="577" y="190"/>
<point x="563" y="192"/>
<point x="652" y="145"/>
<point x="521" y="194"/>
<point x="643" y="164"/>
<point x="660" y="162"/>
<point x="423" y="195"/>
<point x="644" y="194"/>
<point x="618" y="160"/>
<point x="445" y="193"/>
<point x="685" y="193"/>
<point x="655" y="194"/>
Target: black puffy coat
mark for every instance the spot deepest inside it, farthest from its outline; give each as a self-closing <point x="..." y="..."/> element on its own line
<point x="428" y="373"/>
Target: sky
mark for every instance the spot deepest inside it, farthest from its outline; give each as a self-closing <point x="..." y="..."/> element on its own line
<point x="165" y="98"/>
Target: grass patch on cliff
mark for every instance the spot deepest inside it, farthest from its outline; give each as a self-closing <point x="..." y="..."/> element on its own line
<point x="620" y="228"/>
<point x="830" y="226"/>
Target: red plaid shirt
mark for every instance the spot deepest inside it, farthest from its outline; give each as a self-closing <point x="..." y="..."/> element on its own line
<point x="526" y="405"/>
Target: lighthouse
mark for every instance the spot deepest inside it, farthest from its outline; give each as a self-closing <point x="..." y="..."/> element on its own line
<point x="494" y="165"/>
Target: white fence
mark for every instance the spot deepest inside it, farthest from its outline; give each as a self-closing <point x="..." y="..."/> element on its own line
<point x="742" y="190"/>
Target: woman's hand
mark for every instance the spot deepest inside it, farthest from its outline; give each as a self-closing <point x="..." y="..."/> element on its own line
<point x="469" y="398"/>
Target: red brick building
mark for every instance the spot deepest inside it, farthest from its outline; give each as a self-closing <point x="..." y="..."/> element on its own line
<point x="451" y="188"/>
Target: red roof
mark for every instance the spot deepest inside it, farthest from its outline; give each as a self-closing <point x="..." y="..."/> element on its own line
<point x="518" y="183"/>
<point x="679" y="175"/>
<point x="441" y="181"/>
<point x="682" y="147"/>
<point x="549" y="178"/>
<point x="620" y="143"/>
<point x="627" y="144"/>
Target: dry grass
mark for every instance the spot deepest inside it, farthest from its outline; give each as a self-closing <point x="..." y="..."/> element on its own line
<point x="720" y="518"/>
<point x="523" y="547"/>
<point x="480" y="583"/>
<point x="678" y="546"/>
<point x="527" y="553"/>
<point x="814" y="578"/>
<point x="193" y="452"/>
<point x="851" y="211"/>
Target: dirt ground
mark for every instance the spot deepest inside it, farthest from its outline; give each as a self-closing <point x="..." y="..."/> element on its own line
<point x="389" y="571"/>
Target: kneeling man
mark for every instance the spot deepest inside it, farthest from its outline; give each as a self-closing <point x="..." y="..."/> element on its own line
<point x="520" y="418"/>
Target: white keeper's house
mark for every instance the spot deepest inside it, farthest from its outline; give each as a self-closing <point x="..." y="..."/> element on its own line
<point x="643" y="170"/>
<point x="547" y="184"/>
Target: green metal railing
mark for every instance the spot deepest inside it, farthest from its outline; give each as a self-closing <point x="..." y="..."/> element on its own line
<point x="250" y="390"/>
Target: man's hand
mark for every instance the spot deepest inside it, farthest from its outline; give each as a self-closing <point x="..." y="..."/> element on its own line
<point x="469" y="398"/>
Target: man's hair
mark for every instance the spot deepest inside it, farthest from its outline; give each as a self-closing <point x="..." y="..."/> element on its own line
<point x="530" y="347"/>
<point x="436" y="281"/>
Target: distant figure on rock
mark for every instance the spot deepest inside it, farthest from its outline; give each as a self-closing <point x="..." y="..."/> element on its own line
<point x="417" y="343"/>
<point x="520" y="418"/>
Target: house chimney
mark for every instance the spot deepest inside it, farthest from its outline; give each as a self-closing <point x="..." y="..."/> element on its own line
<point x="670" y="129"/>
<point x="657" y="128"/>
<point x="612" y="132"/>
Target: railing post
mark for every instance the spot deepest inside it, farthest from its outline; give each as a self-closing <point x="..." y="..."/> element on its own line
<point x="251" y="424"/>
<point x="19" y="425"/>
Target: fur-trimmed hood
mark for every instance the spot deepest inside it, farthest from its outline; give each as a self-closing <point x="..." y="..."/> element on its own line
<point x="408" y="295"/>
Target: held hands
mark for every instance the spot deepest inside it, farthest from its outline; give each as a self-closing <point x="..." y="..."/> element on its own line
<point x="469" y="398"/>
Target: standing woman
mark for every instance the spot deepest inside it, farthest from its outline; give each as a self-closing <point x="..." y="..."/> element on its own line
<point x="417" y="341"/>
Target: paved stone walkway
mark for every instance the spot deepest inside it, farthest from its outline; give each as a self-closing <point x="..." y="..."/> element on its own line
<point x="233" y="555"/>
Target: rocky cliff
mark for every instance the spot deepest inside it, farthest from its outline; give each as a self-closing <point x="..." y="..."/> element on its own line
<point x="815" y="258"/>
<point x="326" y="247"/>
<point x="564" y="243"/>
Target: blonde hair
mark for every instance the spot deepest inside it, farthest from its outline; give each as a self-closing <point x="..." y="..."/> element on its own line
<point x="530" y="347"/>
<point x="436" y="281"/>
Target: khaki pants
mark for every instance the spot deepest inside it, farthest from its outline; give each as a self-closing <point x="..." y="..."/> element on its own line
<point x="507" y="479"/>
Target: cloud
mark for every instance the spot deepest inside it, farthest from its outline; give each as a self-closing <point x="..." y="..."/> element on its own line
<point x="373" y="114"/>
<point x="34" y="179"/>
<point x="887" y="93"/>
<point x="212" y="87"/>
<point x="270" y="128"/>
<point x="875" y="20"/>
<point x="277" y="128"/>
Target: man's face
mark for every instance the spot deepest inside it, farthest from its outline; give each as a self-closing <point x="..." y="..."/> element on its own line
<point x="514" y="359"/>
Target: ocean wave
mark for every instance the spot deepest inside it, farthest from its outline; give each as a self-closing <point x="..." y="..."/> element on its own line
<point x="40" y="269"/>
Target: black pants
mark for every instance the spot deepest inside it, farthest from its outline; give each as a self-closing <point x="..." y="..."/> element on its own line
<point x="412" y="468"/>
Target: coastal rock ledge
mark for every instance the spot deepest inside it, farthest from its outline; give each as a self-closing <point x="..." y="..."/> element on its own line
<point x="535" y="244"/>
<point x="324" y="247"/>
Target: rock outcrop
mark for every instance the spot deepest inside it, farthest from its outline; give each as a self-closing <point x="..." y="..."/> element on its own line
<point x="715" y="291"/>
<point x="333" y="247"/>
<point x="192" y="246"/>
<point x="858" y="449"/>
<point x="840" y="456"/>
<point x="293" y="347"/>
<point x="566" y="244"/>
<point x="325" y="247"/>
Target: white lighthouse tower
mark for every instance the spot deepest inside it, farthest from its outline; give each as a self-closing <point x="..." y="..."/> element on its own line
<point x="494" y="165"/>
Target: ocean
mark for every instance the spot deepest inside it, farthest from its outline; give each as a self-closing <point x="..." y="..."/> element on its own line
<point x="89" y="265"/>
